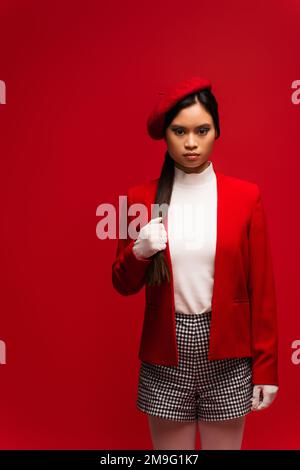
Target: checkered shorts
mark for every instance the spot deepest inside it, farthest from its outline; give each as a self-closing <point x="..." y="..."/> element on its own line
<point x="198" y="388"/>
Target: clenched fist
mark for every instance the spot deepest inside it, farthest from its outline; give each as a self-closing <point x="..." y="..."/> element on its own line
<point x="263" y="395"/>
<point x="152" y="238"/>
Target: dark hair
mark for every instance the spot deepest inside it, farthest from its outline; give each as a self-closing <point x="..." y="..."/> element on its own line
<point x="158" y="271"/>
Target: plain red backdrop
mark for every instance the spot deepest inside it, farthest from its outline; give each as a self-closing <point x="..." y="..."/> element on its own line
<point x="81" y="78"/>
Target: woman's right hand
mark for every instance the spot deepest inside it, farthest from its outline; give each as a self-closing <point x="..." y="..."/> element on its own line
<point x="152" y="238"/>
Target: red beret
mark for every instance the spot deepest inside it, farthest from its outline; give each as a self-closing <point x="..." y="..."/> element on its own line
<point x="169" y="98"/>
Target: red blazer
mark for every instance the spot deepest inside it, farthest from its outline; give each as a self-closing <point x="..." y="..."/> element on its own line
<point x="244" y="313"/>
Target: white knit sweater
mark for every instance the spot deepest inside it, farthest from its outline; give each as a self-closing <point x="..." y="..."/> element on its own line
<point x="191" y="226"/>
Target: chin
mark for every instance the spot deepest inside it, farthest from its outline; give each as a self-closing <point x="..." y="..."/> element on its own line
<point x="195" y="163"/>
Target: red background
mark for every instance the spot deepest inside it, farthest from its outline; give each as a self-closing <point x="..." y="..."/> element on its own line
<point x="81" y="78"/>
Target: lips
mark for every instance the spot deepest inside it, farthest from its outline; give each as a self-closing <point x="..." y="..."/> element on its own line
<point x="191" y="154"/>
<point x="191" y="157"/>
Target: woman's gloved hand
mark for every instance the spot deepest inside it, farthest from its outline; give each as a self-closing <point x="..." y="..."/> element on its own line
<point x="263" y="395"/>
<point x="152" y="238"/>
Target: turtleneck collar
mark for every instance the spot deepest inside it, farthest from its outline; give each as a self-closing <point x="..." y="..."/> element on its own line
<point x="183" y="178"/>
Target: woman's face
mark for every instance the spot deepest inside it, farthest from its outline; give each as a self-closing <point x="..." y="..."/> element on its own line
<point x="191" y="131"/>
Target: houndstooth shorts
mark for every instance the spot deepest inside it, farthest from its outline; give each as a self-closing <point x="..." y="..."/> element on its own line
<point x="198" y="388"/>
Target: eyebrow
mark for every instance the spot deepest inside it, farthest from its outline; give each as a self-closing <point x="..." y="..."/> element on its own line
<point x="200" y="125"/>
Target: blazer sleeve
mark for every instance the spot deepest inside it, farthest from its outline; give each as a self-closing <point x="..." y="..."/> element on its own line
<point x="262" y="294"/>
<point x="128" y="272"/>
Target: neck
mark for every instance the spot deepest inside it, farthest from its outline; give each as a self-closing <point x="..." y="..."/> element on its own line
<point x="198" y="169"/>
<point x="206" y="175"/>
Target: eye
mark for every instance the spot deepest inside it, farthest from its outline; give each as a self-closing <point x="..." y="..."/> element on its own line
<point x="202" y="131"/>
<point x="206" y="129"/>
<point x="178" y="129"/>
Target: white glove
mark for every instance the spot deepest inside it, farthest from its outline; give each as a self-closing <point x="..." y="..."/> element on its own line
<point x="268" y="394"/>
<point x="152" y="238"/>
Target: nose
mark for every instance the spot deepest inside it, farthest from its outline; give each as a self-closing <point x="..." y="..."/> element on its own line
<point x="190" y="142"/>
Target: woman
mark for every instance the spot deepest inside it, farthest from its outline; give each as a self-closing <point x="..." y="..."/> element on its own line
<point x="209" y="343"/>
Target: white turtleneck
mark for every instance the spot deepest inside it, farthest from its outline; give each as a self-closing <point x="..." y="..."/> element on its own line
<point x="192" y="224"/>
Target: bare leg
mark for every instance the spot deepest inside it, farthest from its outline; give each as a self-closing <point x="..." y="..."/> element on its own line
<point x="170" y="434"/>
<point x="222" y="435"/>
